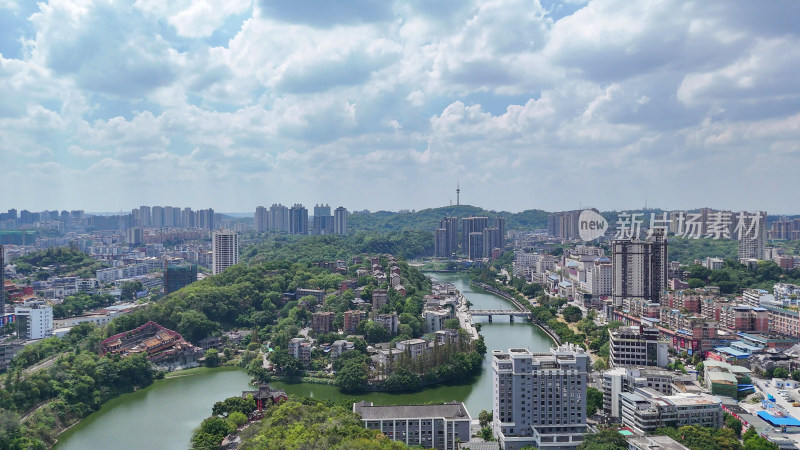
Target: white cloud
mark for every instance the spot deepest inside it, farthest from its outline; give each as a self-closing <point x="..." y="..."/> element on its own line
<point x="201" y="18"/>
<point x="281" y="101"/>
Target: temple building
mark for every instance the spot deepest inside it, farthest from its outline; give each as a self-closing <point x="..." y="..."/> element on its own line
<point x="163" y="347"/>
<point x="265" y="395"/>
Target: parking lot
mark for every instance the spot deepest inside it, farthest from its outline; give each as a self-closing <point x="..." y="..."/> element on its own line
<point x="769" y="389"/>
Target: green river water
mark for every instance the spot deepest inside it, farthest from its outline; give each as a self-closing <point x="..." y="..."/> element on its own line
<point x="162" y="416"/>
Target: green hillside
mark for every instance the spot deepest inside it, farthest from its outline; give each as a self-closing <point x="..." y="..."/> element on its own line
<point x="428" y="219"/>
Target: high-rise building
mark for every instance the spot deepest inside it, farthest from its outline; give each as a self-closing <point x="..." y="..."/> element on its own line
<point x="225" y="250"/>
<point x="205" y="219"/>
<point x="637" y="347"/>
<point x="440" y="243"/>
<point x="2" y="285"/>
<point x="640" y="268"/>
<point x="261" y="219"/>
<point x="564" y="224"/>
<point x="187" y="218"/>
<point x="34" y="320"/>
<point x="279" y="218"/>
<point x="145" y="218"/>
<point x="135" y="236"/>
<point x="500" y="224"/>
<point x="752" y="235"/>
<point x="471" y="225"/>
<point x="177" y="276"/>
<point x="491" y="238"/>
<point x="446" y="237"/>
<point x="340" y="221"/>
<point x="323" y="221"/>
<point x="298" y="219"/>
<point x="539" y="399"/>
<point x="475" y="246"/>
<point x="172" y="216"/>
<point x="157" y="216"/>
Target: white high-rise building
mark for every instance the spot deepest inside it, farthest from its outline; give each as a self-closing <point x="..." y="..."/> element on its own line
<point x="540" y="398"/>
<point x="599" y="276"/>
<point x="225" y="250"/>
<point x="34" y="320"/>
<point x="340" y="220"/>
<point x="752" y="235"/>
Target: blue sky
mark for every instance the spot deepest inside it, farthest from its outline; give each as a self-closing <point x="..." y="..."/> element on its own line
<point x="230" y="104"/>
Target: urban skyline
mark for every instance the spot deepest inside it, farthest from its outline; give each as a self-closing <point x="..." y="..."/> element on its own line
<point x="379" y="98"/>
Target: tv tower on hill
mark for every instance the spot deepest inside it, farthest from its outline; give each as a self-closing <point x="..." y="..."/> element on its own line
<point x="458" y="193"/>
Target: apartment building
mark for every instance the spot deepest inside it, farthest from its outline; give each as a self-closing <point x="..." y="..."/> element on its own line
<point x="637" y="347"/>
<point x="300" y="349"/>
<point x="440" y="426"/>
<point x="647" y="410"/>
<point x="640" y="268"/>
<point x="322" y="322"/>
<point x="539" y="398"/>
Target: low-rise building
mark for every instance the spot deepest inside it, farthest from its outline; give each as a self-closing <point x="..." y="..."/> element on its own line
<point x="322" y="322"/>
<point x="726" y="379"/>
<point x="339" y="347"/>
<point x="434" y="318"/>
<point x="163" y="347"/>
<point x="380" y="297"/>
<point x="318" y="294"/>
<point x="647" y="410"/>
<point x="300" y="349"/>
<point x="389" y="321"/>
<point x="440" y="426"/>
<point x="654" y="443"/>
<point x="352" y="319"/>
<point x="637" y="347"/>
<point x="117" y="273"/>
<point x="414" y="347"/>
<point x="8" y="350"/>
<point x="447" y="336"/>
<point x="625" y="379"/>
<point x="34" y="320"/>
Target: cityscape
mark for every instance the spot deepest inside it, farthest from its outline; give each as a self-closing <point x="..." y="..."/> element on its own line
<point x="477" y="225"/>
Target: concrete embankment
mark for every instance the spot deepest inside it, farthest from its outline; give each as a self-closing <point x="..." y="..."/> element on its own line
<point x="555" y="337"/>
<point x="464" y="318"/>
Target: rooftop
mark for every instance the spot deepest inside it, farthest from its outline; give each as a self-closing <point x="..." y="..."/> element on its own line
<point x="656" y="443"/>
<point x="450" y="410"/>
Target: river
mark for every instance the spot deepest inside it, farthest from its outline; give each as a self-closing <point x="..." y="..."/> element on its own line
<point x="163" y="416"/>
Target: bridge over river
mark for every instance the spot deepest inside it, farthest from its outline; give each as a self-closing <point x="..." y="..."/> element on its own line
<point x="511" y="313"/>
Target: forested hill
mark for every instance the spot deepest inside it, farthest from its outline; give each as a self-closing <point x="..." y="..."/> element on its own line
<point x="311" y="249"/>
<point x="428" y="219"/>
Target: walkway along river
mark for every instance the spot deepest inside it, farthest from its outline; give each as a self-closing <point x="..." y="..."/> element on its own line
<point x="163" y="416"/>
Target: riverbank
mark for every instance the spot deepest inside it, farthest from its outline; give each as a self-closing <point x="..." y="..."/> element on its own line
<point x="199" y="371"/>
<point x="465" y="319"/>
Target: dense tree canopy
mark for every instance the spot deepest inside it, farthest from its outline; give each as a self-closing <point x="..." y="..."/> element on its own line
<point x="59" y="261"/>
<point x="604" y="440"/>
<point x="304" y="424"/>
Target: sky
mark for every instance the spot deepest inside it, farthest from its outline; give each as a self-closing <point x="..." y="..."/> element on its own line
<point x="388" y="105"/>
